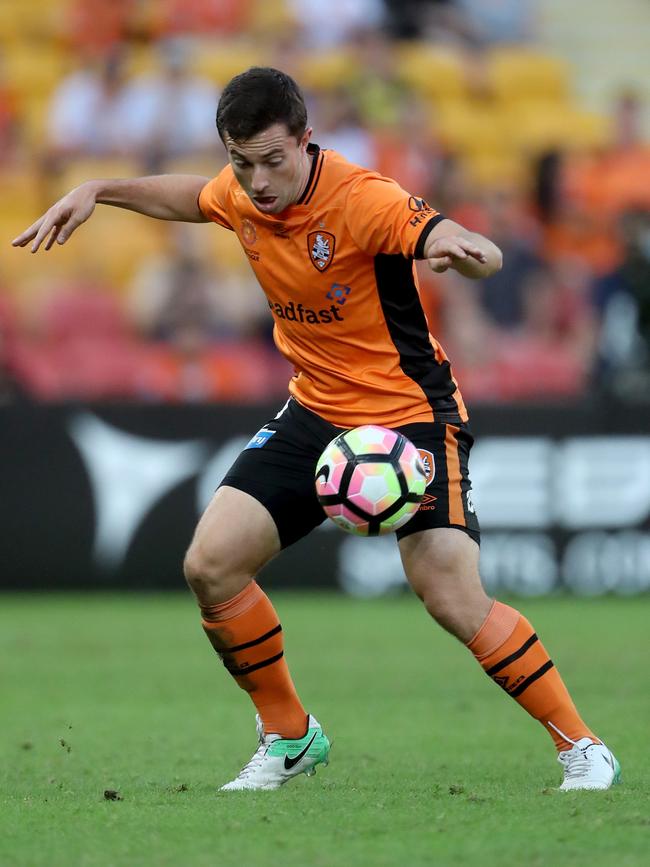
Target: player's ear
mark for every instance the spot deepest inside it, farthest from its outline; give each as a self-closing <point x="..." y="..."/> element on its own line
<point x="304" y="141"/>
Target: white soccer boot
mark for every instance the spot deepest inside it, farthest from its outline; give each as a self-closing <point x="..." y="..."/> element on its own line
<point x="588" y="766"/>
<point x="278" y="759"/>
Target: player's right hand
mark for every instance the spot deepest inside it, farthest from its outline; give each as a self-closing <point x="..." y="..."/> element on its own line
<point x="60" y="221"/>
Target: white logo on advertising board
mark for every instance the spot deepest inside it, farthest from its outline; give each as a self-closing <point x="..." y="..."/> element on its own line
<point x="128" y="475"/>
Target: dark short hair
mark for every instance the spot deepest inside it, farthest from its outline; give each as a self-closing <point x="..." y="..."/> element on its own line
<point x="256" y="99"/>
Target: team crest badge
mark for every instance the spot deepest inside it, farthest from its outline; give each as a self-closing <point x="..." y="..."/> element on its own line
<point x="248" y="233"/>
<point x="321" y="249"/>
<point x="429" y="465"/>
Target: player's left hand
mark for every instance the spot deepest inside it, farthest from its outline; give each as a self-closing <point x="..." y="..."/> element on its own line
<point x="448" y="251"/>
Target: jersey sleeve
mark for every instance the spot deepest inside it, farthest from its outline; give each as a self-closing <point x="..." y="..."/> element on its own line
<point x="384" y="218"/>
<point x="213" y="198"/>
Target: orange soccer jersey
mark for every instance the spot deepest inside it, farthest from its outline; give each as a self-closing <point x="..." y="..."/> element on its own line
<point x="338" y="273"/>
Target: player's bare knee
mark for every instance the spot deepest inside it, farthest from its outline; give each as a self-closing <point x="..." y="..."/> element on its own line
<point x="457" y="602"/>
<point x="446" y="612"/>
<point x="205" y="571"/>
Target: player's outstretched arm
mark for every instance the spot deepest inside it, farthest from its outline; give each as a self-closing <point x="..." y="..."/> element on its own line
<point x="166" y="197"/>
<point x="451" y="245"/>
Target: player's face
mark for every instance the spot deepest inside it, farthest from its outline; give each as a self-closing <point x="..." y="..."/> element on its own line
<point x="272" y="167"/>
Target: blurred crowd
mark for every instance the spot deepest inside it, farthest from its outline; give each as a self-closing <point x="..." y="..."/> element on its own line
<point x="452" y="98"/>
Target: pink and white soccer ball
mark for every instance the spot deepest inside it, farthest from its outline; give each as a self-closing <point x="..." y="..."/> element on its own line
<point x="370" y="480"/>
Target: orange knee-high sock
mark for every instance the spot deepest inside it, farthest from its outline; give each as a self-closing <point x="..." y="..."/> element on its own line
<point x="247" y="635"/>
<point x="509" y="650"/>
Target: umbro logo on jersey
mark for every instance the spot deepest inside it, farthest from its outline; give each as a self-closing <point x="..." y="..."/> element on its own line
<point x="292" y="762"/>
<point x="321" y="249"/>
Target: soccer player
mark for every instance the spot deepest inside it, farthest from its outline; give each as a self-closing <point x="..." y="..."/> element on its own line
<point x="332" y="245"/>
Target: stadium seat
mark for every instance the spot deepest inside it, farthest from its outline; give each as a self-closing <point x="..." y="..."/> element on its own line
<point x="35" y="79"/>
<point x="472" y="126"/>
<point x="327" y="70"/>
<point x="82" y="168"/>
<point x="541" y="125"/>
<point x="20" y="192"/>
<point x="84" y="312"/>
<point x="20" y="21"/>
<point x="220" y="61"/>
<point x="493" y="169"/>
<point x="434" y="72"/>
<point x="34" y="112"/>
<point x="522" y="74"/>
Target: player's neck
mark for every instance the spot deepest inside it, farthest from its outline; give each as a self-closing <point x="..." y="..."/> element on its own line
<point x="305" y="179"/>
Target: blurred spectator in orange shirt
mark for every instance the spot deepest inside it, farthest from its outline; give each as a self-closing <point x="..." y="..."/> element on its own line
<point x="615" y="180"/>
<point x="10" y="125"/>
<point x="409" y="152"/>
<point x="201" y="17"/>
<point x="96" y="27"/>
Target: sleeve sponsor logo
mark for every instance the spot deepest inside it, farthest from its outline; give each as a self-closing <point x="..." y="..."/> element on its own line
<point x="416" y="204"/>
<point x="422" y="210"/>
<point x="321" y="249"/>
<point x="260" y="439"/>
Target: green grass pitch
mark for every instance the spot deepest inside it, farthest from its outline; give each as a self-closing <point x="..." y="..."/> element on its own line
<point x="431" y="763"/>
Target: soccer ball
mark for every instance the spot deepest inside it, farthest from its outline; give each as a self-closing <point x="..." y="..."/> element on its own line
<point x="370" y="480"/>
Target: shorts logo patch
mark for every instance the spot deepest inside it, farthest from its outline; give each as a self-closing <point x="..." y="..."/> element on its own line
<point x="429" y="465"/>
<point x="321" y="249"/>
<point x="260" y="439"/>
<point x="470" y="503"/>
<point x="428" y="503"/>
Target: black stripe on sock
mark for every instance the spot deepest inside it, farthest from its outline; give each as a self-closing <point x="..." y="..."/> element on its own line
<point x="505" y="662"/>
<point x="534" y="676"/>
<point x="237" y="671"/>
<point x="255" y="641"/>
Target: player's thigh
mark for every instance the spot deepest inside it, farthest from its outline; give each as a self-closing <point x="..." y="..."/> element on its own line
<point x="440" y="544"/>
<point x="277" y="468"/>
<point x="235" y="537"/>
<point x="442" y="561"/>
